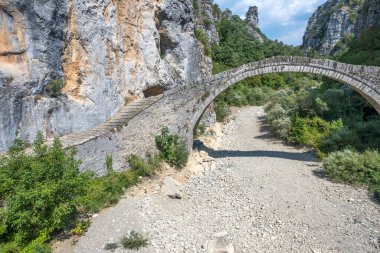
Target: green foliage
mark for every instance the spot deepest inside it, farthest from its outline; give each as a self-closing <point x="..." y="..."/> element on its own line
<point x="45" y="193"/>
<point x="216" y="10"/>
<point x="172" y="148"/>
<point x="221" y="110"/>
<point x="38" y="192"/>
<point x="326" y="116"/>
<point x="202" y="37"/>
<point x="54" y="87"/>
<point x="134" y="241"/>
<point x="311" y="131"/>
<point x="38" y="245"/>
<point x="364" y="50"/>
<point x="196" y="6"/>
<point x="142" y="167"/>
<point x="111" y="246"/>
<point x="201" y="129"/>
<point x="10" y="247"/>
<point x="101" y="192"/>
<point x="239" y="45"/>
<point x="109" y="164"/>
<point x="349" y="166"/>
<point x="80" y="228"/>
<point x="207" y="22"/>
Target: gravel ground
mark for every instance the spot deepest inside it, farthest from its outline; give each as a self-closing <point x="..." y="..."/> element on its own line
<point x="268" y="197"/>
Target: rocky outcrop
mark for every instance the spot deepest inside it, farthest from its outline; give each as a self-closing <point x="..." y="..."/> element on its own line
<point x="207" y="16"/>
<point x="252" y="16"/>
<point x="107" y="52"/>
<point x="331" y="26"/>
<point x="227" y="13"/>
<point x="252" y="20"/>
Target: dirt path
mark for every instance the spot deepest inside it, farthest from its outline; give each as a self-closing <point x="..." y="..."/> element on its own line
<point x="268" y="197"/>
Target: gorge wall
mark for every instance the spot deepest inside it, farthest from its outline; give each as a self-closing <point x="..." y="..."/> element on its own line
<point x="336" y="22"/>
<point x="105" y="52"/>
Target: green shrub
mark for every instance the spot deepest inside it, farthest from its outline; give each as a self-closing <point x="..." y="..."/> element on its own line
<point x="221" y="110"/>
<point x="259" y="96"/>
<point x="172" y="148"/>
<point x="45" y="193"/>
<point x="109" y="164"/>
<point x="80" y="228"/>
<point x="38" y="192"/>
<point x="202" y="37"/>
<point x="349" y="166"/>
<point x="38" y="245"/>
<point x="201" y="129"/>
<point x="134" y="241"/>
<point x="10" y="247"/>
<point x="54" y="87"/>
<point x="101" y="192"/>
<point x="196" y="6"/>
<point x="142" y="167"/>
<point x="311" y="131"/>
<point x="111" y="246"/>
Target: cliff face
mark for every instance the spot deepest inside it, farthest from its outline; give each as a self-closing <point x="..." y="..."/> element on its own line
<point x="336" y="22"/>
<point x="331" y="25"/>
<point x="107" y="51"/>
<point x="369" y="16"/>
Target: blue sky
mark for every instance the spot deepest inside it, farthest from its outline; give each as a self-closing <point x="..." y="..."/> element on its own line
<point x="284" y="20"/>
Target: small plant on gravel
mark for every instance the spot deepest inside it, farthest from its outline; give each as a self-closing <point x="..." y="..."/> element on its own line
<point x="172" y="148"/>
<point x="80" y="228"/>
<point x="134" y="241"/>
<point x="111" y="246"/>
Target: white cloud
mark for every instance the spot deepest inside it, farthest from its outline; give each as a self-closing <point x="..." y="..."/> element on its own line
<point x="278" y="11"/>
<point x="279" y="19"/>
<point x="293" y="37"/>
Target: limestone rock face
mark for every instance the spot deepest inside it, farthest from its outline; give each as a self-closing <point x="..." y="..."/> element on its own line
<point x="252" y="16"/>
<point x="106" y="51"/>
<point x="369" y="16"/>
<point x="331" y="26"/>
<point x="334" y="23"/>
<point x="207" y="18"/>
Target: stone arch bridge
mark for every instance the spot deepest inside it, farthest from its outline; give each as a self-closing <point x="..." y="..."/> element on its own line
<point x="132" y="131"/>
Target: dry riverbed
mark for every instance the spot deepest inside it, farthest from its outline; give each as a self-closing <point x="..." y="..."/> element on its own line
<point x="267" y="196"/>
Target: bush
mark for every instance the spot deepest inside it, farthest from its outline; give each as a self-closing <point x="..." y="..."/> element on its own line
<point x="311" y="131"/>
<point x="38" y="192"/>
<point x="134" y="241"/>
<point x="101" y="192"/>
<point x="45" y="194"/>
<point x="172" y="148"/>
<point x="54" y="87"/>
<point x="349" y="166"/>
<point x="111" y="246"/>
<point x="221" y="110"/>
<point x="259" y="96"/>
<point x="202" y="37"/>
<point x="142" y="167"/>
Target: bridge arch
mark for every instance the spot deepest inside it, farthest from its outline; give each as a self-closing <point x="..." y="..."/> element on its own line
<point x="363" y="79"/>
